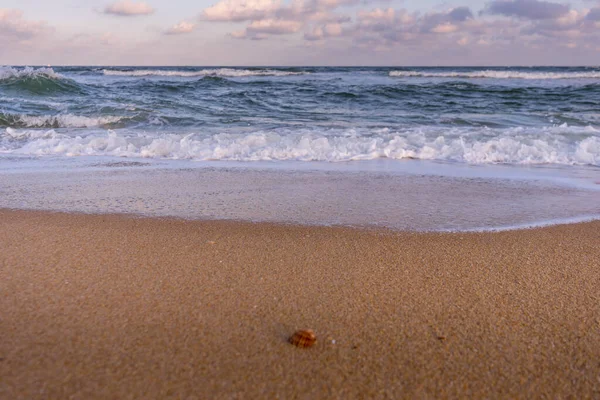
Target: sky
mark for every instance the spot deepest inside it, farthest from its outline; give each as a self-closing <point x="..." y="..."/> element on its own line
<point x="299" y="32"/>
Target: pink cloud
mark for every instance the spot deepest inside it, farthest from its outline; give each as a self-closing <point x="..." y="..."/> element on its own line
<point x="274" y="27"/>
<point x="127" y="8"/>
<point x="12" y="24"/>
<point x="180" y="28"/>
<point x="445" y="28"/>
<point x="274" y="17"/>
<point x="377" y="15"/>
<point x="236" y="10"/>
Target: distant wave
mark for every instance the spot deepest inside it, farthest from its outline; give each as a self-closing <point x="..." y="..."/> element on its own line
<point x="226" y="72"/>
<point x="7" y="73"/>
<point x="492" y="74"/>
<point x="552" y="145"/>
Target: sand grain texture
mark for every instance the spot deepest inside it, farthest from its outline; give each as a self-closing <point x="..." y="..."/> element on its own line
<point x="124" y="307"/>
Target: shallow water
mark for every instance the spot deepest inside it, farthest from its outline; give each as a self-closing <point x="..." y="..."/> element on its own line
<point x="416" y="197"/>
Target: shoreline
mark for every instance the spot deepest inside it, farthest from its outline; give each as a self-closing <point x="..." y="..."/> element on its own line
<point x="550" y="223"/>
<point x="405" y="201"/>
<point x="114" y="306"/>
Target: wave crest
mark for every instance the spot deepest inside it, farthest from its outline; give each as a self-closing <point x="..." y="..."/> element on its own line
<point x="38" y="81"/>
<point x="225" y="72"/>
<point x="492" y="74"/>
<point x="57" y="121"/>
<point x="7" y="73"/>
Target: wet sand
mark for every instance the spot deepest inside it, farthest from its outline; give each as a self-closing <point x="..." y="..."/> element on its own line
<point x="105" y="306"/>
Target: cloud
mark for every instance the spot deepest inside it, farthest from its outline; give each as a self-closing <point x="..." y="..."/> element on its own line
<point x="13" y="25"/>
<point x="391" y="26"/>
<point x="445" y="22"/>
<point x="384" y="20"/>
<point x="594" y="14"/>
<point x="377" y="15"/>
<point x="273" y="27"/>
<point x="316" y="34"/>
<point x="570" y="21"/>
<point x="238" y="34"/>
<point x="456" y="28"/>
<point x="329" y="32"/>
<point x="252" y="10"/>
<point x="240" y="10"/>
<point x="275" y="17"/>
<point x="127" y="8"/>
<point x="529" y="9"/>
<point x="325" y="31"/>
<point x="180" y="28"/>
<point x="326" y="17"/>
<point x="538" y="24"/>
<point x="459" y="14"/>
<point x="576" y="25"/>
<point x="445" y="28"/>
<point x="333" y="30"/>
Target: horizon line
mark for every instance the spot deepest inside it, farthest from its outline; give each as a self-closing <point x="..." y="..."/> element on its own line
<point x="304" y="66"/>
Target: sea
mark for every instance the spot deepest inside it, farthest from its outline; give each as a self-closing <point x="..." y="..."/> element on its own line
<point x="419" y="148"/>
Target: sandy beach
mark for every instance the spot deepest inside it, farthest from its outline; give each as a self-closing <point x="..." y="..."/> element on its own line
<point x="106" y="306"/>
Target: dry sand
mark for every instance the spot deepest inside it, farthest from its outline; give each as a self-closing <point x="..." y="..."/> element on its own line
<point x="123" y="307"/>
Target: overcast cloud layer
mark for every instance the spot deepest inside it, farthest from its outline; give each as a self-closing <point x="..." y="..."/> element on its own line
<point x="309" y="32"/>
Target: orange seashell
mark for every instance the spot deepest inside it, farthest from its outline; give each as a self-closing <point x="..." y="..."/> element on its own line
<point x="303" y="338"/>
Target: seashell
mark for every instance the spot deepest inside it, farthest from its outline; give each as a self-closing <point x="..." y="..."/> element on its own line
<point x="303" y="338"/>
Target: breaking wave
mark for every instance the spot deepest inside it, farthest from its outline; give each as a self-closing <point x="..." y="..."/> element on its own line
<point x="225" y="72"/>
<point x="521" y="146"/>
<point x="39" y="81"/>
<point x="27" y="72"/>
<point x="494" y="74"/>
<point x="57" y="121"/>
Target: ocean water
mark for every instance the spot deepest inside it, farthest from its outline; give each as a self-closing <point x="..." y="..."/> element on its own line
<point x="534" y="127"/>
<point x="462" y="115"/>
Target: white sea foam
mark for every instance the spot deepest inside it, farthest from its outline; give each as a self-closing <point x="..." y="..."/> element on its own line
<point x="29" y="135"/>
<point x="66" y="121"/>
<point x="554" y="145"/>
<point x="493" y="74"/>
<point x="27" y="72"/>
<point x="226" y="72"/>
